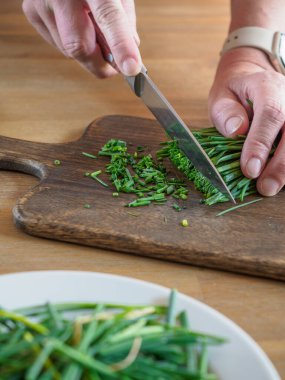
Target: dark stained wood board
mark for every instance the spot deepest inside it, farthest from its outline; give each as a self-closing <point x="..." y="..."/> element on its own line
<point x="250" y="240"/>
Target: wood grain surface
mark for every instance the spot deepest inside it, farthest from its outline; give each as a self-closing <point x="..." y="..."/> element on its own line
<point x="250" y="240"/>
<point x="47" y="98"/>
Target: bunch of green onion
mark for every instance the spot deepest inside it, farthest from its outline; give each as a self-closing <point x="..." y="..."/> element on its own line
<point x="58" y="341"/>
<point x="225" y="154"/>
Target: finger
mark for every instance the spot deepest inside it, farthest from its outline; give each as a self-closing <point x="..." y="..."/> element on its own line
<point x="268" y="94"/>
<point x="129" y="7"/>
<point x="77" y="35"/>
<point x="36" y="21"/>
<point x="272" y="178"/>
<point x="46" y="13"/>
<point x="227" y="114"/>
<point x="113" y="22"/>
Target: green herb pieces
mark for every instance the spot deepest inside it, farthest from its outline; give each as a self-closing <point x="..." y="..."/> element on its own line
<point x="142" y="176"/>
<point x="115" y="194"/>
<point x="249" y="102"/>
<point x="176" y="207"/>
<point x="88" y="155"/>
<point x="87" y="205"/>
<point x="238" y="206"/>
<point x="94" y="175"/>
<point x="146" y="201"/>
<point x="103" y="341"/>
<point x="57" y="162"/>
<point x="184" y="223"/>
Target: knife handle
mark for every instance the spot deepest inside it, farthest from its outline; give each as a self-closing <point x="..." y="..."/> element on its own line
<point x="106" y="51"/>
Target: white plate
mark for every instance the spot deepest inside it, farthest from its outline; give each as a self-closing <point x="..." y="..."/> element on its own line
<point x="240" y="359"/>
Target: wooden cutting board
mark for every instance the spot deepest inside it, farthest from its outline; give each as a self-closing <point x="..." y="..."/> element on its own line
<point x="250" y="240"/>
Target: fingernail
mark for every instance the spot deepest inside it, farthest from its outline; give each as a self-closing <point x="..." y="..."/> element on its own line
<point x="233" y="124"/>
<point x="130" y="67"/>
<point x="269" y="187"/>
<point x="253" y="167"/>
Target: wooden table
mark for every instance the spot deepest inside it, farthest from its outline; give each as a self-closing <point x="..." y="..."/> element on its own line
<point x="46" y="97"/>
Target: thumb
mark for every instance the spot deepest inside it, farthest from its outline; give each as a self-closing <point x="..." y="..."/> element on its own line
<point x="228" y="114"/>
<point x="114" y="24"/>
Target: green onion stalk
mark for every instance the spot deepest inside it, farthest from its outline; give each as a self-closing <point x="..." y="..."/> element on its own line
<point x="225" y="154"/>
<point x="90" y="341"/>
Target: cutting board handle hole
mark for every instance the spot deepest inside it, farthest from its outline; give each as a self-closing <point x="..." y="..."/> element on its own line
<point x="31" y="167"/>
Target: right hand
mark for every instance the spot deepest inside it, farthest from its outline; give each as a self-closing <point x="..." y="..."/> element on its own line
<point x="68" y="25"/>
<point x="246" y="73"/>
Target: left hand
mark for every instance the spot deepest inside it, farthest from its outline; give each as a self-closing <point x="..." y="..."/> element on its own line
<point x="246" y="74"/>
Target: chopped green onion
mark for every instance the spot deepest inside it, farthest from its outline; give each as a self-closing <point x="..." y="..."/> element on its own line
<point x="176" y="207"/>
<point x="238" y="206"/>
<point x="250" y="103"/>
<point x="73" y="341"/>
<point x="94" y="175"/>
<point x="88" y="155"/>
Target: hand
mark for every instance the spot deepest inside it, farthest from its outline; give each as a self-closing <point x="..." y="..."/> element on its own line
<point x="69" y="25"/>
<point x="246" y="74"/>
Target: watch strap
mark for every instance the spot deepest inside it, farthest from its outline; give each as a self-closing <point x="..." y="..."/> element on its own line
<point x="252" y="36"/>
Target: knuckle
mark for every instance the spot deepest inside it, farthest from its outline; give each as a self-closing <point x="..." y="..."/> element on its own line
<point x="219" y="111"/>
<point x="75" y="49"/>
<point x="262" y="145"/>
<point x="274" y="111"/>
<point x="118" y="43"/>
<point x="107" y="13"/>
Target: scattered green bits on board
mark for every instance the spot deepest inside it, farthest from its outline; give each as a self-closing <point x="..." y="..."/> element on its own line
<point x="88" y="155"/>
<point x="142" y="176"/>
<point x="57" y="162"/>
<point x="184" y="223"/>
<point x="238" y="206"/>
<point x="95" y="175"/>
<point x="176" y="207"/>
<point x="147" y="178"/>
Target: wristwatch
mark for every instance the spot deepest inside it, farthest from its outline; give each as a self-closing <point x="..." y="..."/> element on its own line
<point x="269" y="41"/>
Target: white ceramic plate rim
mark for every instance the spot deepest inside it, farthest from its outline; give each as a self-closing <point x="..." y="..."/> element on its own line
<point x="270" y="369"/>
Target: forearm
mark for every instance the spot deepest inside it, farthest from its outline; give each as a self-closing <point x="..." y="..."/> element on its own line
<point x="268" y="14"/>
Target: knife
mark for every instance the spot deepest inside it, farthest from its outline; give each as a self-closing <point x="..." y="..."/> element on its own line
<point x="175" y="127"/>
<point x="168" y="118"/>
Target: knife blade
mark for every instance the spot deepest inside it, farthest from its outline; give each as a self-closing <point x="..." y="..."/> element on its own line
<point x="175" y="127"/>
